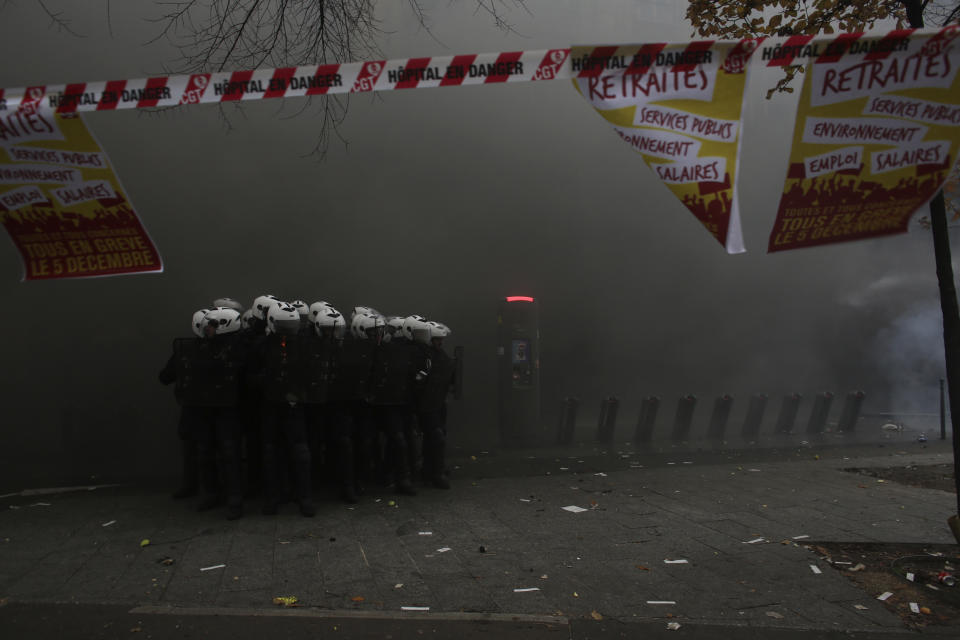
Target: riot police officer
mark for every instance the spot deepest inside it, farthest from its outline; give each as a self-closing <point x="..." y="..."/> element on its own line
<point x="254" y="322"/>
<point x="431" y="406"/>
<point x="190" y="479"/>
<point x="338" y="375"/>
<point x="209" y="375"/>
<point x="279" y="367"/>
<point x="395" y="368"/>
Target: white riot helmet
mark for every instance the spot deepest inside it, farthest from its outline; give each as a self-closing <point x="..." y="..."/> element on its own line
<point x="262" y="305"/>
<point x="197" y="324"/>
<point x="438" y="329"/>
<point x="301" y="307"/>
<point x="394" y="327"/>
<point x="329" y="318"/>
<point x="364" y="324"/>
<point x="228" y="303"/>
<point x="224" y="320"/>
<point x="284" y="319"/>
<point x="358" y="310"/>
<point x="317" y="307"/>
<point x="415" y="328"/>
<point x="247" y="319"/>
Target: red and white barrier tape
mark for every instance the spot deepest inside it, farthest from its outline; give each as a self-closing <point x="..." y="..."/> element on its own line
<point x="294" y="82"/>
<point x="421" y="73"/>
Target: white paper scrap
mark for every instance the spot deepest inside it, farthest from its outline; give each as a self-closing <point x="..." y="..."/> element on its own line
<point x="673" y="626"/>
<point x="564" y="468"/>
<point x="601" y="474"/>
<point x="107" y="524"/>
<point x="753" y="469"/>
<point x="884" y="595"/>
<point x="574" y="509"/>
<point x="860" y="606"/>
<point x="399" y="585"/>
<point x="910" y="576"/>
<point x="914" y="607"/>
<point x="754" y="541"/>
<point x="425" y="533"/>
<point x="688" y="462"/>
<point x="800" y="537"/>
<point x="443" y="549"/>
<point x="216" y="566"/>
<point x="679" y="561"/>
<point x="815" y="568"/>
<point x="414" y="608"/>
<point x="661" y="602"/>
<point x="522" y="589"/>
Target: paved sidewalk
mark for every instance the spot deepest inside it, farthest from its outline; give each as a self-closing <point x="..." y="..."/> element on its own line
<point x="499" y="546"/>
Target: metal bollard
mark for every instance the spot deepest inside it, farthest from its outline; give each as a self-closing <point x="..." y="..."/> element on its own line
<point x="681" y="422"/>
<point x="568" y="420"/>
<point x="851" y="411"/>
<point x="751" y="424"/>
<point x="788" y="412"/>
<point x="648" y="416"/>
<point x="818" y="415"/>
<point x="608" y="419"/>
<point x="719" y="417"/>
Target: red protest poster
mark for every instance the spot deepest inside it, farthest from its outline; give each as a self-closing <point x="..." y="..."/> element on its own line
<point x="61" y="202"/>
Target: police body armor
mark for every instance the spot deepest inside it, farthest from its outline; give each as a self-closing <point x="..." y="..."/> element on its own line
<point x="351" y="377"/>
<point x="285" y="368"/>
<point x="322" y="354"/>
<point x="439" y="381"/>
<point x="394" y="368"/>
<point x="209" y="371"/>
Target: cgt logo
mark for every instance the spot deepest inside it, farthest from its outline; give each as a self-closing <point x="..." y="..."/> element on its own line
<point x="195" y="88"/>
<point x="736" y="62"/>
<point x="551" y="64"/>
<point x="31" y="100"/>
<point x="940" y="43"/>
<point x="368" y="76"/>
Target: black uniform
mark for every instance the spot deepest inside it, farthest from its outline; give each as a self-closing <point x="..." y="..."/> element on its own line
<point x="432" y="414"/>
<point x="349" y="416"/>
<point x="209" y="375"/>
<point x="190" y="480"/>
<point x="395" y="368"/>
<point x="250" y="402"/>
<point x="279" y="367"/>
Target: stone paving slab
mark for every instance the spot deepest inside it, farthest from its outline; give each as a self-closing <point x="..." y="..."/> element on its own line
<point x="536" y="558"/>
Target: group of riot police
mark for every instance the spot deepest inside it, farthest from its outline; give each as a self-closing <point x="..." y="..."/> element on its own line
<point x="271" y="393"/>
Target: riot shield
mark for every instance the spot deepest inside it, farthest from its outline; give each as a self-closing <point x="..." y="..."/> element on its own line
<point x="208" y="372"/>
<point x="321" y="369"/>
<point x="285" y="371"/>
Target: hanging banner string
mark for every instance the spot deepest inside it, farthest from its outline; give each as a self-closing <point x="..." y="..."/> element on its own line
<point x="295" y="82"/>
<point x="388" y="75"/>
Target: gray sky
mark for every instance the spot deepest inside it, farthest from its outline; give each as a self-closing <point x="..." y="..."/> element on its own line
<point x="444" y="201"/>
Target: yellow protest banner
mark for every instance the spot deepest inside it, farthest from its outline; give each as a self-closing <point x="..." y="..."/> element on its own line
<point x="679" y="106"/>
<point x="61" y="202"/>
<point x="877" y="132"/>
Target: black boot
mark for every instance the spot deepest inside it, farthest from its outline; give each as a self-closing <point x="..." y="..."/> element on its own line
<point x="402" y="472"/>
<point x="437" y="453"/>
<point x="303" y="479"/>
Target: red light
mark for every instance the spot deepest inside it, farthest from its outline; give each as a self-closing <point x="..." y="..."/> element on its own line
<point x="519" y="299"/>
